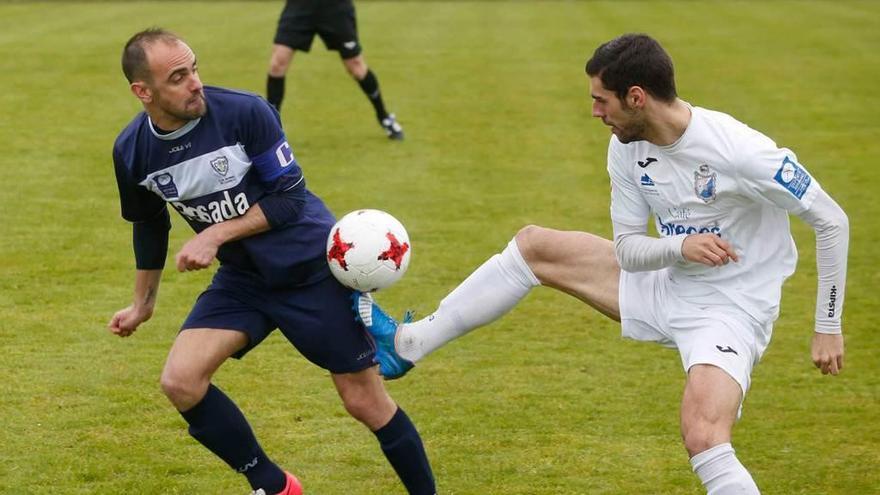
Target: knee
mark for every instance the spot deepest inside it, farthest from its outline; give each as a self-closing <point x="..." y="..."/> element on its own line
<point x="373" y="409"/>
<point x="277" y="68"/>
<point x="356" y="67"/>
<point x="183" y="392"/>
<point x="358" y="406"/>
<point x="279" y="62"/>
<point x="529" y="242"/>
<point x="700" y="435"/>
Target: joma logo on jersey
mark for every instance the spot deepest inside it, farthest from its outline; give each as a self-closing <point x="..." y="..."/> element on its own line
<point x="215" y="211"/>
<point x="677" y="229"/>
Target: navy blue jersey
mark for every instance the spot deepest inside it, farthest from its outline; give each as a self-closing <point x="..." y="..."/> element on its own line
<point x="213" y="169"/>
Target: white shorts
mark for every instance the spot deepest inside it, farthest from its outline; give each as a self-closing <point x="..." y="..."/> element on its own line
<point x="706" y="328"/>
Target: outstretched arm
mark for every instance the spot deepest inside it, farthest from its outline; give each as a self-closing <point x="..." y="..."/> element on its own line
<point x="832" y="245"/>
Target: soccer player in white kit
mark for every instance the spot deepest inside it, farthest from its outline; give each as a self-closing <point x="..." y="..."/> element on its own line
<point x="719" y="194"/>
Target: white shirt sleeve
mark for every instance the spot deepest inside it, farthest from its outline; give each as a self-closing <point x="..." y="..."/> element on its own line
<point x="630" y="212"/>
<point x="638" y="252"/>
<point x="832" y="244"/>
<point x="774" y="175"/>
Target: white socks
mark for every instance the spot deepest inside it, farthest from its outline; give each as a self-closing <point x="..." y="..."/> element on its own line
<point x="721" y="472"/>
<point x="488" y="293"/>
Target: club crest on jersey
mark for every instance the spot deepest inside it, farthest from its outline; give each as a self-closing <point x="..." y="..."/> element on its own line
<point x="220" y="165"/>
<point x="704" y="183"/>
<point x="165" y="184"/>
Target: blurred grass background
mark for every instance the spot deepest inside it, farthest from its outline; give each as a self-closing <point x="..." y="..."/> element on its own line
<point x="492" y="95"/>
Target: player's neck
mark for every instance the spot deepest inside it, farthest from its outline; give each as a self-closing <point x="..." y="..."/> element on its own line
<point x="164" y="122"/>
<point x="668" y="122"/>
<point x="166" y="125"/>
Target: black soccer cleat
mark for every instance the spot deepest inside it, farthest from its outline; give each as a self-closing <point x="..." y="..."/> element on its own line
<point x="392" y="127"/>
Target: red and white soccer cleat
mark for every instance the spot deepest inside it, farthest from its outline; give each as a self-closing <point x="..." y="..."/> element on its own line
<point x="291" y="487"/>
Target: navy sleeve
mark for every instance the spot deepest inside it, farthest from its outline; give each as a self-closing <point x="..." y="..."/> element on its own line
<point x="285" y="201"/>
<point x="266" y="144"/>
<point x="148" y="214"/>
<point x="150" y="240"/>
<point x="273" y="160"/>
<point x="138" y="203"/>
<point x="262" y="127"/>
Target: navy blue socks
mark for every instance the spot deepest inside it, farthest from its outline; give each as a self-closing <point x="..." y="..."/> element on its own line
<point x="403" y="447"/>
<point x="218" y="424"/>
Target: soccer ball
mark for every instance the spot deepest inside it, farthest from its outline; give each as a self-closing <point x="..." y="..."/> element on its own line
<point x="368" y="250"/>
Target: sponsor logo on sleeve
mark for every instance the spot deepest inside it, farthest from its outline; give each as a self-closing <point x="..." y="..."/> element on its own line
<point x="832" y="301"/>
<point x="793" y="177"/>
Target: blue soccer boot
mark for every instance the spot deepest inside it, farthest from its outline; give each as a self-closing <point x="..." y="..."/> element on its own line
<point x="383" y="328"/>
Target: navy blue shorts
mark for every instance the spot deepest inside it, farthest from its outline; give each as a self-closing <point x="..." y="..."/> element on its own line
<point x="317" y="317"/>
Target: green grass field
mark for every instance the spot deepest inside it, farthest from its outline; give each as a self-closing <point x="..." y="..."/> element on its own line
<point x="549" y="400"/>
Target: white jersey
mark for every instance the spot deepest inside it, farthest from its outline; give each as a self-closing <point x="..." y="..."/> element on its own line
<point x="720" y="177"/>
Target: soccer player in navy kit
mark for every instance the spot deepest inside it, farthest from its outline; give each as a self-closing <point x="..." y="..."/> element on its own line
<point x="221" y="159"/>
<point x="336" y="23"/>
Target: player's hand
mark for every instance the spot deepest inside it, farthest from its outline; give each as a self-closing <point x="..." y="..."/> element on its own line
<point x="198" y="253"/>
<point x="708" y="249"/>
<point x="828" y="352"/>
<point x="126" y="321"/>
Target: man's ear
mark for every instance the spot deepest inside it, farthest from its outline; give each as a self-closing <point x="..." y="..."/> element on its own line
<point x="636" y="97"/>
<point x="141" y="91"/>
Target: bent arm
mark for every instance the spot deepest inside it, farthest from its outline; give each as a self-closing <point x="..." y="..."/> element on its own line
<point x="281" y="206"/>
<point x="637" y="252"/>
<point x="200" y="251"/>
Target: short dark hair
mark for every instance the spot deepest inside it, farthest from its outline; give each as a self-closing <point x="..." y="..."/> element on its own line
<point x="134" y="56"/>
<point x="634" y="60"/>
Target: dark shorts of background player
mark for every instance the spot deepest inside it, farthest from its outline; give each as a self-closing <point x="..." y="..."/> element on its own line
<point x="333" y="20"/>
<point x="316" y="317"/>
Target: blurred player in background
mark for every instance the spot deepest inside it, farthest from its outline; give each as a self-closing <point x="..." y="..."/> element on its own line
<point x="335" y="22"/>
<point x="720" y="194"/>
<point x="221" y="159"/>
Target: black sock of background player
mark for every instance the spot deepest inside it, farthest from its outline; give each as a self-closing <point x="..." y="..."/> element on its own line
<point x="370" y="86"/>
<point x="275" y="91"/>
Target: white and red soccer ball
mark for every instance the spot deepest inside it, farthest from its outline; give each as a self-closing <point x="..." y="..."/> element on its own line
<point x="368" y="250"/>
